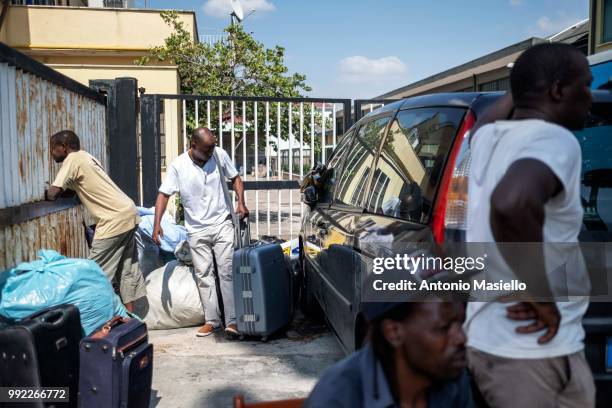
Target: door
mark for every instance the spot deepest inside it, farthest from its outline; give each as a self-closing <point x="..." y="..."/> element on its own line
<point x="340" y="264"/>
<point x="405" y="181"/>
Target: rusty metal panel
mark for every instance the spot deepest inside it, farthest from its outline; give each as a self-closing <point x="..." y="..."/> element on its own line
<point x="32" y="108"/>
<point x="62" y="231"/>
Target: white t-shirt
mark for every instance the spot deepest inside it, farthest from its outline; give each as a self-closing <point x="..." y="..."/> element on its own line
<point x="494" y="148"/>
<point x="200" y="189"/>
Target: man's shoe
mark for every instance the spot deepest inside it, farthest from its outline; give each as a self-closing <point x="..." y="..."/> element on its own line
<point x="231" y="330"/>
<point x="207" y="330"/>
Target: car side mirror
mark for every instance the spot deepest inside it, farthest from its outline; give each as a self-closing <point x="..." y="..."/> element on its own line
<point x="310" y="196"/>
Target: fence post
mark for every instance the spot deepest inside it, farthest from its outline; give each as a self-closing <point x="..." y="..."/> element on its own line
<point x="348" y="118"/>
<point x="122" y="139"/>
<point x="150" y="148"/>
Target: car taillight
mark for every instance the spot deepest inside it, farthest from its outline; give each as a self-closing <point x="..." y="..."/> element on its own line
<point x="450" y="209"/>
<point x="457" y="198"/>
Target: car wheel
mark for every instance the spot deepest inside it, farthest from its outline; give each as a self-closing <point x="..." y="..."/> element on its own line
<point x="308" y="302"/>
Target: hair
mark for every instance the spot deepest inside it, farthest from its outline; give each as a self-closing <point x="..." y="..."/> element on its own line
<point x="540" y="66"/>
<point x="67" y="138"/>
<point x="195" y="134"/>
<point x="383" y="350"/>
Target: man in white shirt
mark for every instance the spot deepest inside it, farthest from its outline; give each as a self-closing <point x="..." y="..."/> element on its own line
<point x="525" y="187"/>
<point x="195" y="176"/>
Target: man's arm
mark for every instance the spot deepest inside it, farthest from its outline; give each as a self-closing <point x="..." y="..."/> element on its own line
<point x="160" y="207"/>
<point x="241" y="208"/>
<point x="517" y="215"/>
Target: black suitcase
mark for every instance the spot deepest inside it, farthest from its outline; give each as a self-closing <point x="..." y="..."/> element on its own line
<point x="41" y="350"/>
<point x="262" y="290"/>
<point x="116" y="366"/>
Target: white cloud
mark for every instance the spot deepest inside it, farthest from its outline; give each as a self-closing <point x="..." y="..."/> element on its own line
<point x="516" y="3"/>
<point x="223" y="8"/>
<point x="546" y="26"/>
<point x="363" y="69"/>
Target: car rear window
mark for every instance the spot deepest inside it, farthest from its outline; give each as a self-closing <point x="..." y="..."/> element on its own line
<point x="410" y="165"/>
<point x="596" y="189"/>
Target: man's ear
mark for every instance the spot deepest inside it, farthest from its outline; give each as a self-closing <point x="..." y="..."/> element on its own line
<point x="393" y="332"/>
<point x="556" y="91"/>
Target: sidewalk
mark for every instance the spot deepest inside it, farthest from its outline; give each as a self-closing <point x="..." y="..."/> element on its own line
<point x="208" y="372"/>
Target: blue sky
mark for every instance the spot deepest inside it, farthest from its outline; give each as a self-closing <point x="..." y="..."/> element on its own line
<point x="363" y="48"/>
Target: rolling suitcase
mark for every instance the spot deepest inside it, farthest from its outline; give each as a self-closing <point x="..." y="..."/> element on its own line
<point x="41" y="350"/>
<point x="116" y="366"/>
<point x="262" y="290"/>
<point x="262" y="280"/>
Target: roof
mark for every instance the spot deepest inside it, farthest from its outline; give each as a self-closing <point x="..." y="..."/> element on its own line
<point x="504" y="52"/>
<point x="569" y="35"/>
<point x="572" y="33"/>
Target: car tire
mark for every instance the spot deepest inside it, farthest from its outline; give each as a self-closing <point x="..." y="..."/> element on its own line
<point x="308" y="302"/>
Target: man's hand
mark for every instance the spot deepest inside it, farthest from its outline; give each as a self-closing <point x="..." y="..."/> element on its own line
<point x="53" y="193"/>
<point x="158" y="233"/>
<point x="160" y="206"/>
<point x="546" y="316"/>
<point x="242" y="211"/>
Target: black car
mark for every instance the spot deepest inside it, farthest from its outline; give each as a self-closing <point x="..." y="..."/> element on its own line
<point x="399" y="176"/>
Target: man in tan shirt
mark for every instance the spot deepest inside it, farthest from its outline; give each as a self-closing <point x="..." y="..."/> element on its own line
<point x="115" y="214"/>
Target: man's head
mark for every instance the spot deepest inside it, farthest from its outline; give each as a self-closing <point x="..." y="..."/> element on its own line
<point x="428" y="336"/>
<point x="556" y="79"/>
<point x="62" y="143"/>
<point x="202" y="143"/>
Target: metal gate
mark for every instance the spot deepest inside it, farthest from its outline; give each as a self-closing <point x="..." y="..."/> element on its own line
<point x="272" y="141"/>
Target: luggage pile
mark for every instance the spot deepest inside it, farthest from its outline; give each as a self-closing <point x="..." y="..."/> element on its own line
<point x="173" y="300"/>
<point x="151" y="256"/>
<point x="61" y="325"/>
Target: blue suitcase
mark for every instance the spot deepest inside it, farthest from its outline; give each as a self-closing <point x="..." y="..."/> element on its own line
<point x="116" y="367"/>
<point x="262" y="290"/>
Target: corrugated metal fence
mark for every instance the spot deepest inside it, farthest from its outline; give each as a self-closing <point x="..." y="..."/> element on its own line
<point x="35" y="102"/>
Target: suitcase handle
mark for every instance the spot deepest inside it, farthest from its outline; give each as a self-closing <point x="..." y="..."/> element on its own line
<point x="103" y="332"/>
<point x="52" y="317"/>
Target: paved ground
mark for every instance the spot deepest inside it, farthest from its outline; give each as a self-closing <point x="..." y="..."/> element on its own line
<point x="208" y="372"/>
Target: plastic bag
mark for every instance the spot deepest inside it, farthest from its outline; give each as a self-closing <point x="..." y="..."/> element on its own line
<point x="55" y="280"/>
<point x="173" y="234"/>
<point x="172" y="295"/>
<point x="149" y="257"/>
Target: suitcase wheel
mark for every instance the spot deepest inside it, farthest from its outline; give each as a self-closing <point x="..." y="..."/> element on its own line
<point x="264" y="339"/>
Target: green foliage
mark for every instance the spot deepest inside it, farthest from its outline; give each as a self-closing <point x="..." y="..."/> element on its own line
<point x="238" y="66"/>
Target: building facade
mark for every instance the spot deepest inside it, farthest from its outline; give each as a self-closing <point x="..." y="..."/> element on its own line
<point x="490" y="72"/>
<point x="601" y="27"/>
<point x="90" y="44"/>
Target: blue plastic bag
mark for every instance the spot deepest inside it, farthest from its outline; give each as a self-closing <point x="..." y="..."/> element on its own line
<point x="55" y="280"/>
<point x="173" y="234"/>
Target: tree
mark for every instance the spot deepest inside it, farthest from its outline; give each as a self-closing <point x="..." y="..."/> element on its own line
<point x="237" y="66"/>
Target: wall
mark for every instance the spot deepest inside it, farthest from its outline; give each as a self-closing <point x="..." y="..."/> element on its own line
<point x="75" y="29"/>
<point x="101" y="43"/>
<point x="155" y="79"/>
<point x="36" y="102"/>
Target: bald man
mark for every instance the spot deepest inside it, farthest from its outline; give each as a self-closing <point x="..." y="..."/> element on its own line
<point x="195" y="176"/>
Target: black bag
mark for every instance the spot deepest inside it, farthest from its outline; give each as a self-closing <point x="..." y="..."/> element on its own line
<point x="42" y="351"/>
<point x="116" y="366"/>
